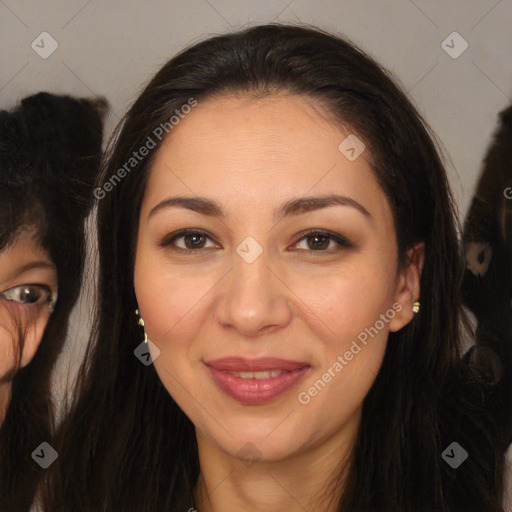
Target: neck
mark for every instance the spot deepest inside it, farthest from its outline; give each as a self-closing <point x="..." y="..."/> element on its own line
<point x="305" y="481"/>
<point x="5" y="397"/>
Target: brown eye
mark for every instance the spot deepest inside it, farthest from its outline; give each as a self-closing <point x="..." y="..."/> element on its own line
<point x="193" y="241"/>
<point x="28" y="294"/>
<point x="319" y="241"/>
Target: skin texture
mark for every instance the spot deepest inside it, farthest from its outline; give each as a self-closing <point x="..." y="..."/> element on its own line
<point x="294" y="301"/>
<point x="22" y="263"/>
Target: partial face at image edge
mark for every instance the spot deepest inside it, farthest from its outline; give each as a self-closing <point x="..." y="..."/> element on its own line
<point x="28" y="292"/>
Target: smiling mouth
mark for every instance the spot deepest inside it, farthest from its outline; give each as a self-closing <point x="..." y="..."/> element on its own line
<point x="256" y="381"/>
<point x="258" y="375"/>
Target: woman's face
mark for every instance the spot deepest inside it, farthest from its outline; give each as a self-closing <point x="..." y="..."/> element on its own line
<point x="28" y="281"/>
<point x="273" y="326"/>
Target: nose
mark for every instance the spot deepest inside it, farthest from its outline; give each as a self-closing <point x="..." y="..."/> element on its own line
<point x="254" y="299"/>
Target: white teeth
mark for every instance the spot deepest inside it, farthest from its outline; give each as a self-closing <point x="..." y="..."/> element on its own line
<point x="258" y="375"/>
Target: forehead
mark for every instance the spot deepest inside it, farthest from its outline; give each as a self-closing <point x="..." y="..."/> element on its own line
<point x="25" y="250"/>
<point x="259" y="149"/>
<point x="286" y="126"/>
<point x="27" y="240"/>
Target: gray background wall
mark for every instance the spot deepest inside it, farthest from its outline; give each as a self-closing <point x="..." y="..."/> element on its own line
<point x="113" y="47"/>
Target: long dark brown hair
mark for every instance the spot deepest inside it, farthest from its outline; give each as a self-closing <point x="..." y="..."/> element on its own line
<point x="50" y="149"/>
<point x="126" y="445"/>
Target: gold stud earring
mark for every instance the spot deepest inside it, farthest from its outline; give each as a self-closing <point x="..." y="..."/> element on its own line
<point x="141" y="322"/>
<point x="416" y="306"/>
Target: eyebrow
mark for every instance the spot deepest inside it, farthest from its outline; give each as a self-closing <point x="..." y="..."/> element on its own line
<point x="298" y="206"/>
<point x="33" y="265"/>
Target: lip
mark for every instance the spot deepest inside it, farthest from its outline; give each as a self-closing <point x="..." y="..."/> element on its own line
<point x="240" y="364"/>
<point x="256" y="391"/>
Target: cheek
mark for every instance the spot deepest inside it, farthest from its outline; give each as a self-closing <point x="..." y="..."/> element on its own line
<point x="170" y="301"/>
<point x="333" y="398"/>
<point x="173" y="301"/>
<point x="8" y="345"/>
<point x="355" y="308"/>
<point x="20" y="338"/>
<point x="174" y="306"/>
<point x="350" y="358"/>
<point x="342" y="302"/>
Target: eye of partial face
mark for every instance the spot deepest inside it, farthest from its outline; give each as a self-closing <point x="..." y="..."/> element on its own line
<point x="28" y="276"/>
<point x="29" y="295"/>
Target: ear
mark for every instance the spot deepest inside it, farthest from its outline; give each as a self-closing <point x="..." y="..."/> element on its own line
<point x="33" y="337"/>
<point x="408" y="287"/>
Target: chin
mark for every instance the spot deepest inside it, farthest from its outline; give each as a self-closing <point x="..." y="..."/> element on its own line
<point x="257" y="443"/>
